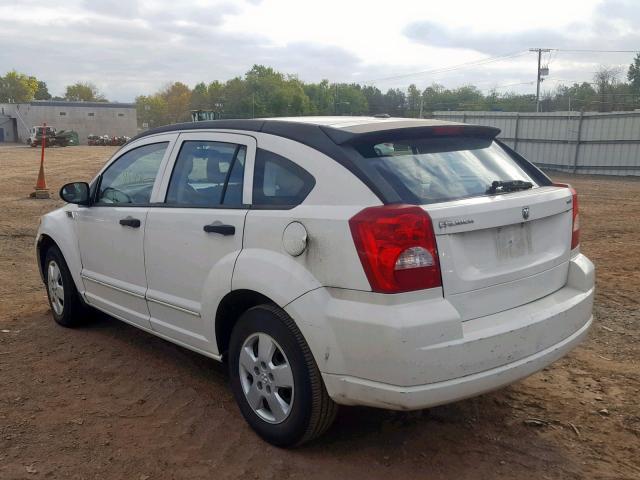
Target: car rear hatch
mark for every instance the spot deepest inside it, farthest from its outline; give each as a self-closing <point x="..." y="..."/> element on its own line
<point x="503" y="230"/>
<point x="499" y="252"/>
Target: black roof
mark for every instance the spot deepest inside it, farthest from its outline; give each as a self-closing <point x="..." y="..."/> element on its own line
<point x="315" y="131"/>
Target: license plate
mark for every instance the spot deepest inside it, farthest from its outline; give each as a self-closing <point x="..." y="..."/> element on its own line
<point x="513" y="241"/>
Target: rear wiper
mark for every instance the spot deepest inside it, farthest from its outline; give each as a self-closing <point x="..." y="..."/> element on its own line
<point x="498" y="186"/>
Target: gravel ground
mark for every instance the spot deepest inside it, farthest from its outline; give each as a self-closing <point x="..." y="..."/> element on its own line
<point x="110" y="401"/>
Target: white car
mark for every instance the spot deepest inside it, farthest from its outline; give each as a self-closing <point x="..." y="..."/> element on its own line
<point x="395" y="263"/>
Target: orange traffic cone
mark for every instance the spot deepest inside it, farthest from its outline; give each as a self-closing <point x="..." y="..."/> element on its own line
<point x="41" y="190"/>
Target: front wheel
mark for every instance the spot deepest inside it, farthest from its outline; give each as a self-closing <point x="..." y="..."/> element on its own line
<point x="66" y="305"/>
<point x="275" y="380"/>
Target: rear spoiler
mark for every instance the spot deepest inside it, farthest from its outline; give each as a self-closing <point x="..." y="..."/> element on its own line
<point x="387" y="131"/>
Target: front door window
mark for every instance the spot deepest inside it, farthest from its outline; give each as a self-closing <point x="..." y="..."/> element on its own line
<point x="129" y="180"/>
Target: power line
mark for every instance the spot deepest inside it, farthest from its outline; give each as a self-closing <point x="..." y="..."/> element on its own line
<point x="593" y="51"/>
<point x="511" y="85"/>
<point x="496" y="58"/>
<point x="451" y="68"/>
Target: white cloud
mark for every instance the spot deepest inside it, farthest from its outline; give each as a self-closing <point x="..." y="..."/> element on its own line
<point x="133" y="47"/>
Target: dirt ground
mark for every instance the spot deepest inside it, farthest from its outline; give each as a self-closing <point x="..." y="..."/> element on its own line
<point x="109" y="401"/>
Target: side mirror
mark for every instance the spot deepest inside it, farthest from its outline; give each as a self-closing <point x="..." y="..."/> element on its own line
<point x="76" y="192"/>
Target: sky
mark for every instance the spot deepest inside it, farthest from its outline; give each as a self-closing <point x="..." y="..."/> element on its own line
<point x="134" y="47"/>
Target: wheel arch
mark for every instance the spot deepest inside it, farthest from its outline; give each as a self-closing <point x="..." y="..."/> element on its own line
<point x="44" y="243"/>
<point x="58" y="229"/>
<point x="229" y="310"/>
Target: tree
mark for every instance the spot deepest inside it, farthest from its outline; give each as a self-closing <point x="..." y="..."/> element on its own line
<point x="271" y="93"/>
<point x="178" y="99"/>
<point x="320" y="97"/>
<point x="375" y="99"/>
<point x="215" y="90"/>
<point x="200" y="97"/>
<point x="17" y="87"/>
<point x="83" y="92"/>
<point x="414" y="99"/>
<point x="605" y="79"/>
<point x="633" y="75"/>
<point x="42" y="93"/>
<point x="151" y="110"/>
<point x="349" y="99"/>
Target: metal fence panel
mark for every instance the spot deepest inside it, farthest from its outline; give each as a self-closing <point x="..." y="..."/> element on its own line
<point x="590" y="142"/>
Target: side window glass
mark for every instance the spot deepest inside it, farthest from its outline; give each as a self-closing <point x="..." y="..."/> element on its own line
<point x="130" y="179"/>
<point x="278" y="181"/>
<point x="201" y="172"/>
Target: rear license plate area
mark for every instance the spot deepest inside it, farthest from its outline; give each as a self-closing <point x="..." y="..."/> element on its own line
<point x="513" y="241"/>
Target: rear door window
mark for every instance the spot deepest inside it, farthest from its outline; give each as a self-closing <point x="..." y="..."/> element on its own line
<point x="439" y="169"/>
<point x="207" y="174"/>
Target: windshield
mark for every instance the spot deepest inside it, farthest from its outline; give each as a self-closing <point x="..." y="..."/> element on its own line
<point x="440" y="169"/>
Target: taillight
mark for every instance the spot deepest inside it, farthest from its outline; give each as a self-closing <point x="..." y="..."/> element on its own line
<point x="575" y="233"/>
<point x="397" y="248"/>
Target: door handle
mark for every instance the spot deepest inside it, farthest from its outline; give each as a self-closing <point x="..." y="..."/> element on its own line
<point x="221" y="228"/>
<point x="130" y="222"/>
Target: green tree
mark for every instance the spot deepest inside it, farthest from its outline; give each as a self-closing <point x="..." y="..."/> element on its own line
<point x="414" y="99"/>
<point x="42" y="93"/>
<point x="215" y="91"/>
<point x="350" y="99"/>
<point x="271" y="93"/>
<point x="633" y="75"/>
<point x="83" y="92"/>
<point x="200" y="97"/>
<point x="17" y="87"/>
<point x="152" y="111"/>
<point x="395" y="102"/>
<point x="236" y="101"/>
<point x="321" y="97"/>
<point x="375" y="99"/>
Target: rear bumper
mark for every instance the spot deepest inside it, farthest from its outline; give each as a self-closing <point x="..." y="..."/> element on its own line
<point x="356" y="391"/>
<point x="413" y="351"/>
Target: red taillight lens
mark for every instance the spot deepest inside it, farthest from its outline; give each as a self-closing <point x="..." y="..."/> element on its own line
<point x="575" y="234"/>
<point x="397" y="248"/>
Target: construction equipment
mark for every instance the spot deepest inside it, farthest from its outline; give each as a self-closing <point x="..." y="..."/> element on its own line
<point x="35" y="136"/>
<point x="62" y="138"/>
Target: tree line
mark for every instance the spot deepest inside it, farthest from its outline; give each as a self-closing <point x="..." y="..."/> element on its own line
<point x="17" y="87"/>
<point x="265" y="92"/>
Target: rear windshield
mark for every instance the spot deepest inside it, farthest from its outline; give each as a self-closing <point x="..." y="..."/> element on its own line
<point x="438" y="169"/>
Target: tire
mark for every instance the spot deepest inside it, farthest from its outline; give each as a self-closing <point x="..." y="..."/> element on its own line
<point x="67" y="307"/>
<point x="302" y="412"/>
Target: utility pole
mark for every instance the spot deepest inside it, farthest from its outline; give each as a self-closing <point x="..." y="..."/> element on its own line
<point x="540" y="73"/>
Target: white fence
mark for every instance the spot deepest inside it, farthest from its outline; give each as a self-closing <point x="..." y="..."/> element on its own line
<point x="589" y="142"/>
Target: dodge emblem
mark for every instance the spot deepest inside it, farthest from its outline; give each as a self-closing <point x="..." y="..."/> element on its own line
<point x="525" y="212"/>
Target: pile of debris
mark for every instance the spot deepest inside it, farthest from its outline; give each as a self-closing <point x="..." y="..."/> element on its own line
<point x="111" y="140"/>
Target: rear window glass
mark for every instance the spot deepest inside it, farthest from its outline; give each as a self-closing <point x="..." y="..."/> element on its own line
<point x="440" y="169"/>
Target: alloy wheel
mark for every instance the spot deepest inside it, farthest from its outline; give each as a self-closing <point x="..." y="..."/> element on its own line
<point x="55" y="287"/>
<point x="266" y="378"/>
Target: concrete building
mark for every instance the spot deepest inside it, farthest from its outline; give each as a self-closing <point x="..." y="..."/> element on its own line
<point x="86" y="118"/>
